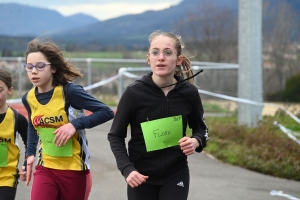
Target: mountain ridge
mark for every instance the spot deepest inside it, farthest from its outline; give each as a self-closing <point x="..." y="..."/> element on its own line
<point x="18" y="21"/>
<point x="21" y="20"/>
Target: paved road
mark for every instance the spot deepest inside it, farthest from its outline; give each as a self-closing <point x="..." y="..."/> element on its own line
<point x="210" y="179"/>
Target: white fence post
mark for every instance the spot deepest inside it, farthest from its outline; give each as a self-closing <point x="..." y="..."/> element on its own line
<point x="250" y="61"/>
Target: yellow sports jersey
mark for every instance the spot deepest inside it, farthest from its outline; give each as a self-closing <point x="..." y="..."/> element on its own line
<point x="10" y="153"/>
<point x="53" y="115"/>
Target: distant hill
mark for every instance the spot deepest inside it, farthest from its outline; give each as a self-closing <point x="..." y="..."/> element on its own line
<point x="82" y="19"/>
<point x="133" y="30"/>
<point x="129" y="30"/>
<point x="22" y="20"/>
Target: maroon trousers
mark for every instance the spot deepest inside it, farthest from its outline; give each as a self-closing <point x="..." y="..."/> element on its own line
<point x="52" y="184"/>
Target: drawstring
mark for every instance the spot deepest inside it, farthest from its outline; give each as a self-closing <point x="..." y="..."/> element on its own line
<point x="184" y="79"/>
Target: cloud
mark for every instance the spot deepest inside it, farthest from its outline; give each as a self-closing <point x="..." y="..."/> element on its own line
<point x="110" y="10"/>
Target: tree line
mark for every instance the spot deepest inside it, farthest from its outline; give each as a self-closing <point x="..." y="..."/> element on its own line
<point x="211" y="34"/>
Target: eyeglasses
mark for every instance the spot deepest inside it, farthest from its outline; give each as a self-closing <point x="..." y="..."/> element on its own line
<point x="166" y="52"/>
<point x="40" y="66"/>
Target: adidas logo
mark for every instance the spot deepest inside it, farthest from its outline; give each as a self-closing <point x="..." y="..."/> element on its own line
<point x="180" y="184"/>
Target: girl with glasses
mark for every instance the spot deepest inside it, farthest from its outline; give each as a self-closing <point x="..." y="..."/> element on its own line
<point x="158" y="107"/>
<point x="12" y="124"/>
<point x="57" y="121"/>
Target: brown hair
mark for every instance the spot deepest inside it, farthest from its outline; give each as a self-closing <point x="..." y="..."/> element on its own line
<point x="185" y="67"/>
<point x="64" y="70"/>
<point x="6" y="77"/>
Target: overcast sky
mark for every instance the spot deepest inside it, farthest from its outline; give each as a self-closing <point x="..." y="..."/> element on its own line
<point x="100" y="9"/>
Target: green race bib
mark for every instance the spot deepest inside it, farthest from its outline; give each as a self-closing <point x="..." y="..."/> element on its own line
<point x="49" y="148"/>
<point x="162" y="133"/>
<point x="3" y="154"/>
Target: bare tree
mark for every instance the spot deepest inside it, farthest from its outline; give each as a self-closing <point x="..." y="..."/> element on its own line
<point x="280" y="45"/>
<point x="212" y="32"/>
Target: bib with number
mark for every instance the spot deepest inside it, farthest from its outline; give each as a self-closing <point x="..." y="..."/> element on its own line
<point x="49" y="148"/>
<point x="3" y="154"/>
<point x="162" y="133"/>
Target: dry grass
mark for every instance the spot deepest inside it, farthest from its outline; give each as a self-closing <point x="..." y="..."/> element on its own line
<point x="264" y="149"/>
<point x="269" y="110"/>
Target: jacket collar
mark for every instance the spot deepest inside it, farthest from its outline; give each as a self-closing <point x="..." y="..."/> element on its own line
<point x="147" y="79"/>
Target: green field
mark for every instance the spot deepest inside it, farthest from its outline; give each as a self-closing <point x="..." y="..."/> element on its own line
<point x="108" y="54"/>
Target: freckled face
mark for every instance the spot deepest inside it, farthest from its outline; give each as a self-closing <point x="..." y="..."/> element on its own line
<point x="41" y="79"/>
<point x="4" y="92"/>
<point x="161" y="65"/>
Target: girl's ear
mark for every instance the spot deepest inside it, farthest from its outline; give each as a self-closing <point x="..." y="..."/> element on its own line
<point x="148" y="59"/>
<point x="53" y="70"/>
<point x="179" y="60"/>
<point x="10" y="90"/>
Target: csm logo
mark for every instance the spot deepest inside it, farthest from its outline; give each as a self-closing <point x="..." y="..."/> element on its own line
<point x="7" y="140"/>
<point x="39" y="120"/>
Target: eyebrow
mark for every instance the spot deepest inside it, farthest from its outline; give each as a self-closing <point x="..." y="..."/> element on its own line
<point x="163" y="49"/>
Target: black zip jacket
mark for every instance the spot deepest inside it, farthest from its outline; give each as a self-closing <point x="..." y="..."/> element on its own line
<point x="144" y="100"/>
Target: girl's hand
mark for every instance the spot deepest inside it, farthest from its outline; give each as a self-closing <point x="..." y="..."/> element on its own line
<point x="23" y="173"/>
<point x="135" y="179"/>
<point x="26" y="175"/>
<point x="63" y="134"/>
<point x="188" y="145"/>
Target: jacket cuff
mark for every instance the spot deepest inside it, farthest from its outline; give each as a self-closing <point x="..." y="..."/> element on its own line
<point x="201" y="146"/>
<point x="127" y="170"/>
<point x="74" y="124"/>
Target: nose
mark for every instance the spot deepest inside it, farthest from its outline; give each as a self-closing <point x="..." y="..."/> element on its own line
<point x="34" y="70"/>
<point x="161" y="55"/>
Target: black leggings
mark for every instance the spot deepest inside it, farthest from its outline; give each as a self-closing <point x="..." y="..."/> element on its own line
<point x="176" y="188"/>
<point x="8" y="193"/>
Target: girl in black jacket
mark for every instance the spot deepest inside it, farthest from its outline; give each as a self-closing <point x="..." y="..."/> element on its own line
<point x="158" y="107"/>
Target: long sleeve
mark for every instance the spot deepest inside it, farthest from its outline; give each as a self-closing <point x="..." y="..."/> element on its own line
<point x="118" y="133"/>
<point x="197" y="123"/>
<point x="80" y="99"/>
<point x="22" y="128"/>
<point x="32" y="136"/>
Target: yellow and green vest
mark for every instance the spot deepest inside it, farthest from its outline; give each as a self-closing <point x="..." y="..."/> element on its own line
<point x="9" y="169"/>
<point x="54" y="115"/>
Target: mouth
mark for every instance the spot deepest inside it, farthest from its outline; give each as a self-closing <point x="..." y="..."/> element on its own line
<point x="160" y="65"/>
<point x="35" y="79"/>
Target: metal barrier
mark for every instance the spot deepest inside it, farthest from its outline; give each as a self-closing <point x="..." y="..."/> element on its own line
<point x="125" y="77"/>
<point x="219" y="77"/>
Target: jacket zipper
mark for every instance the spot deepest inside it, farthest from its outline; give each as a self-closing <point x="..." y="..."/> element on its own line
<point x="163" y="151"/>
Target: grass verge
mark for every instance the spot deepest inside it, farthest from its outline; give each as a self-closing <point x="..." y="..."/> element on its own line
<point x="264" y="149"/>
